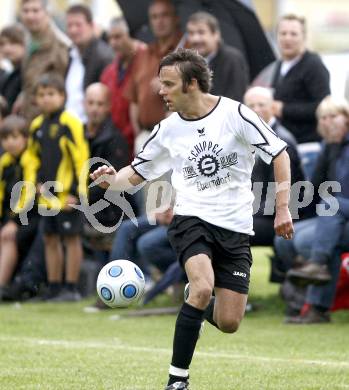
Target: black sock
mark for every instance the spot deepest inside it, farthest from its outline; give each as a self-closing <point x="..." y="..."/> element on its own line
<point x="174" y="379"/>
<point x="208" y="314"/>
<point x="187" y="330"/>
<point x="71" y="287"/>
<point x="54" y="288"/>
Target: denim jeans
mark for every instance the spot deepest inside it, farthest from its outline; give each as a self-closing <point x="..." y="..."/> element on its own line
<point x="324" y="295"/>
<point x="300" y="244"/>
<point x="329" y="230"/>
<point x="144" y="244"/>
<point x="305" y="235"/>
<point x="154" y="248"/>
<point x="125" y="241"/>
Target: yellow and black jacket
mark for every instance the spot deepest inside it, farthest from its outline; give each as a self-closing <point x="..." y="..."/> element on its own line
<point x="13" y="171"/>
<point x="58" y="142"/>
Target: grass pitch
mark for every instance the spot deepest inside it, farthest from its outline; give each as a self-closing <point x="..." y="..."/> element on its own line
<point x="58" y="346"/>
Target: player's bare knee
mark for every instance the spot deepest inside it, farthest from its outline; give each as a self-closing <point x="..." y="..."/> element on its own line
<point x="201" y="295"/>
<point x="7" y="235"/>
<point x="229" y="326"/>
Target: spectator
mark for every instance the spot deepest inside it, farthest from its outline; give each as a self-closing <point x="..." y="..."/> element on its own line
<point x="147" y="108"/>
<point x="116" y="75"/>
<point x="88" y="57"/>
<point x="307" y="232"/>
<point x="300" y="80"/>
<point x="230" y="71"/>
<point x="15" y="165"/>
<point x="57" y="140"/>
<point x="47" y="52"/>
<point x="106" y="142"/>
<point x="260" y="100"/>
<point x="12" y="43"/>
<point x="333" y="165"/>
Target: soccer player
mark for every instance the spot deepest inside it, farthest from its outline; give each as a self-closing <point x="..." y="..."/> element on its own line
<point x="210" y="143"/>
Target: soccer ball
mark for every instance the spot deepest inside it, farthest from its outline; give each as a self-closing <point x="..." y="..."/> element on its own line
<point x="120" y="283"/>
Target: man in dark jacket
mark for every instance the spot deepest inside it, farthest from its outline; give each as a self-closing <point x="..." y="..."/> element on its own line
<point x="260" y="100"/>
<point x="230" y="70"/>
<point x="300" y="80"/>
<point x="106" y="142"/>
<point x="88" y="57"/>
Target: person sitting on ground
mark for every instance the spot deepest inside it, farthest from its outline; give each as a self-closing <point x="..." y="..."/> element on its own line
<point x="260" y="100"/>
<point x="333" y="165"/>
<point x="16" y="165"/>
<point x="105" y="141"/>
<point x="318" y="297"/>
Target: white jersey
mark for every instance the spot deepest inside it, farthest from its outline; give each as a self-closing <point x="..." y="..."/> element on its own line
<point x="211" y="158"/>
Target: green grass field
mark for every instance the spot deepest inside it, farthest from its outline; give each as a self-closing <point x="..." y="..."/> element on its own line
<point x="53" y="347"/>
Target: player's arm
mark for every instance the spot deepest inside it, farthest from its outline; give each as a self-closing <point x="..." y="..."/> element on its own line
<point x="283" y="221"/>
<point x="106" y="176"/>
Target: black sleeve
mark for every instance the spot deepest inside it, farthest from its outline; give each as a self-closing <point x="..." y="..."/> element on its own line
<point x="317" y="85"/>
<point x="238" y="79"/>
<point x="116" y="153"/>
<point x="321" y="168"/>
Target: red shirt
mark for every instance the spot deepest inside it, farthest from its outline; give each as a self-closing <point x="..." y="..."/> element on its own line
<point x="117" y="79"/>
<point x="151" y="107"/>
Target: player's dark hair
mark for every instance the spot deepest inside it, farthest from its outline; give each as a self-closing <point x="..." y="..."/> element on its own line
<point x="14" y="34"/>
<point x="14" y="124"/>
<point x="191" y="65"/>
<point x="204" y="17"/>
<point x="53" y="80"/>
<point x="81" y="9"/>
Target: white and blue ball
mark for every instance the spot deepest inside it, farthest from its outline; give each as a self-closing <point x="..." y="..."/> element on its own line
<point x="120" y="283"/>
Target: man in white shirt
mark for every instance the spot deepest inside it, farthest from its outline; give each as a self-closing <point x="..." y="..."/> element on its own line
<point x="209" y="142"/>
<point x="89" y="56"/>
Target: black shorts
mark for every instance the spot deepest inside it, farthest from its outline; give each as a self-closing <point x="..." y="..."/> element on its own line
<point x="229" y="251"/>
<point x="65" y="223"/>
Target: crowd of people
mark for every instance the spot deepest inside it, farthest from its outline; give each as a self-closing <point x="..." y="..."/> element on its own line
<point x="66" y="97"/>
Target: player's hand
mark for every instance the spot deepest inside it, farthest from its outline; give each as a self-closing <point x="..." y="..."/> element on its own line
<point x="283" y="224"/>
<point x="103" y="176"/>
<point x="71" y="201"/>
